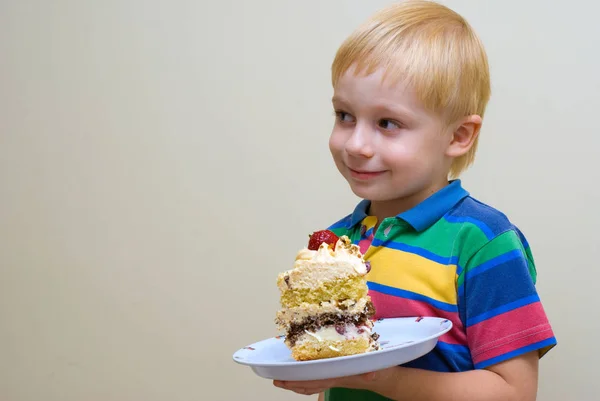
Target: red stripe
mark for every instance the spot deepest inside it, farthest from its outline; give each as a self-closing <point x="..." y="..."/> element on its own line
<point x="501" y="348"/>
<point x="507" y="327"/>
<point x="389" y="306"/>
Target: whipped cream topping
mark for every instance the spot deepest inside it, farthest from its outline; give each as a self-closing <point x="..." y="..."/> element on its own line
<point x="312" y="268"/>
<point x="345" y="251"/>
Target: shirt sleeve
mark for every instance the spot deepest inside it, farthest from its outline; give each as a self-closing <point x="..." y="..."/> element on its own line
<point x="502" y="311"/>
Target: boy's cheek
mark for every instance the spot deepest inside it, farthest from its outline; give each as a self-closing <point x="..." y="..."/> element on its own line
<point x="334" y="142"/>
<point x="336" y="147"/>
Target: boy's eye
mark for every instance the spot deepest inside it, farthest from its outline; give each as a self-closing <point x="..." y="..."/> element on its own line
<point x="344" y="117"/>
<point x="388" y="124"/>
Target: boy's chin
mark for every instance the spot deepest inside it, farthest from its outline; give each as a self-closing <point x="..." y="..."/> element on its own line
<point x="371" y="194"/>
<point x="359" y="192"/>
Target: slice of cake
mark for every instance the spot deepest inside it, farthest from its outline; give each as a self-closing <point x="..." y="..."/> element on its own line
<point x="326" y="310"/>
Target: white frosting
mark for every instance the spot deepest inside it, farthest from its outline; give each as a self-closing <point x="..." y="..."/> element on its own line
<point x="329" y="333"/>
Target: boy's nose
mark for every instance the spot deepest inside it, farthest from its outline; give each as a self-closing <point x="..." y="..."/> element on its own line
<point x="359" y="143"/>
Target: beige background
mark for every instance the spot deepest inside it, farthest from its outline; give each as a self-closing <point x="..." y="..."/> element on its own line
<point x="161" y="162"/>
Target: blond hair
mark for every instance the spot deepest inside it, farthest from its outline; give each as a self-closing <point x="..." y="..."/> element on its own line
<point x="429" y="47"/>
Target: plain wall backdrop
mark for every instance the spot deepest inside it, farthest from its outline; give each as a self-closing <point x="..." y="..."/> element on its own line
<point x="162" y="161"/>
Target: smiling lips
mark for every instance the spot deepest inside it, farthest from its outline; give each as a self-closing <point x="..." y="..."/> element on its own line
<point x="364" y="175"/>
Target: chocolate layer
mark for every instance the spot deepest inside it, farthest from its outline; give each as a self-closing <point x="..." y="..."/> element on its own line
<point x="339" y="321"/>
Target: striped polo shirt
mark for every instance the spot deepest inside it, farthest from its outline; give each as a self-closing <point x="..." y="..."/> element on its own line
<point x="454" y="257"/>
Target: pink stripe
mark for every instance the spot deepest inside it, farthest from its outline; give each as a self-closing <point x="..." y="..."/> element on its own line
<point x="388" y="306"/>
<point x="506" y="327"/>
<point x="502" y="347"/>
<point x="364" y="245"/>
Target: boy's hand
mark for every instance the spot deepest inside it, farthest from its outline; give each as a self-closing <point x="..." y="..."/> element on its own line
<point x="364" y="381"/>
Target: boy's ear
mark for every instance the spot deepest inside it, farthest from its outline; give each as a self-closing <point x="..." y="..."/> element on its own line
<point x="464" y="136"/>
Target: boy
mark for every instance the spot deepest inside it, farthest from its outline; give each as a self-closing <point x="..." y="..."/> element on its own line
<point x="410" y="90"/>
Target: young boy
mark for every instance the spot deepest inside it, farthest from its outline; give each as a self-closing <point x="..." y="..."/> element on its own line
<point x="410" y="90"/>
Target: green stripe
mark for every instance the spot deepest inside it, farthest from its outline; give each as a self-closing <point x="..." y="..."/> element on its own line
<point x="442" y="238"/>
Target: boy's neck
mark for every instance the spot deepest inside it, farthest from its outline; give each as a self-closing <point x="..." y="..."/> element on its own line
<point x="393" y="207"/>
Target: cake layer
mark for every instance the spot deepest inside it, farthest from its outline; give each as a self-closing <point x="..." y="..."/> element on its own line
<point x="328" y="343"/>
<point x="337" y="290"/>
<point x="299" y="314"/>
<point x="330" y="349"/>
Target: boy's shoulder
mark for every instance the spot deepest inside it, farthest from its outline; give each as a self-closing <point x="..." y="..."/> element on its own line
<point x="488" y="220"/>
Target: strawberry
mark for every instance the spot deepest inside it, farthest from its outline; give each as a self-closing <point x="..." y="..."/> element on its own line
<point x="318" y="237"/>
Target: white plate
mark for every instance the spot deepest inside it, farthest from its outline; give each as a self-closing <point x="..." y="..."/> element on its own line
<point x="401" y="339"/>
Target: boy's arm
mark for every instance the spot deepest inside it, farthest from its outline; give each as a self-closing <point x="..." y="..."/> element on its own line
<point x="321" y="396"/>
<point x="512" y="380"/>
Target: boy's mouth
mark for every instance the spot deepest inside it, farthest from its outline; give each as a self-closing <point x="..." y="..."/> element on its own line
<point x="363" y="174"/>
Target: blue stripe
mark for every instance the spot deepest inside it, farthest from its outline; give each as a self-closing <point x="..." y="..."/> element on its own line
<point x="465" y="219"/>
<point x="444" y="260"/>
<point x="453" y="348"/>
<point x="498" y="260"/>
<point x="517" y="352"/>
<point x="503" y="309"/>
<point x="397" y="292"/>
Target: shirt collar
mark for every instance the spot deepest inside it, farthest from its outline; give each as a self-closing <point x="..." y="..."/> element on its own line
<point x="426" y="213"/>
<point x="360" y="212"/>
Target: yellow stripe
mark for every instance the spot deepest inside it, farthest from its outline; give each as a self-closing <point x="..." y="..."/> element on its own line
<point x="369" y="222"/>
<point x="413" y="273"/>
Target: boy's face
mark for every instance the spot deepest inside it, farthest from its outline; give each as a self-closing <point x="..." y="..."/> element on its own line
<point x="385" y="143"/>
